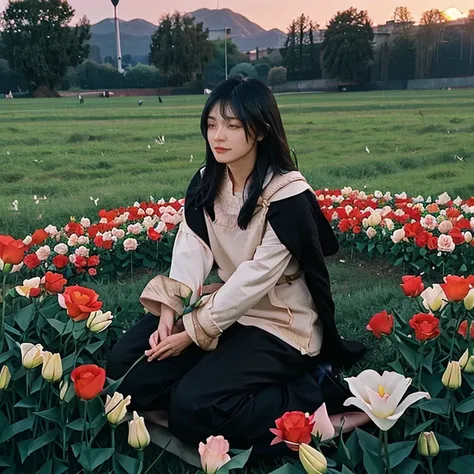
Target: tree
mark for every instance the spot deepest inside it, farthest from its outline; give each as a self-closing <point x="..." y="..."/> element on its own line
<point x="470" y="27"/>
<point x="277" y="76"/>
<point x="39" y="44"/>
<point x="180" y="48"/>
<point x="403" y="47"/>
<point x="403" y="22"/>
<point x="244" y="69"/>
<point x="347" y="45"/>
<point x="428" y="41"/>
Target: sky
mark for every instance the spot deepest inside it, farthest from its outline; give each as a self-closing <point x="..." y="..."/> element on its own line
<point x="262" y="12"/>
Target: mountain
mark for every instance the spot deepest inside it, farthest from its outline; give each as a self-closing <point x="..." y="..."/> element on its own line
<point x="136" y="34"/>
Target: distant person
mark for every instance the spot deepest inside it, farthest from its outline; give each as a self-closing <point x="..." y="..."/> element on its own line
<point x="140" y="102"/>
<point x="159" y="98"/>
<point x="265" y="341"/>
<point x="9" y="95"/>
<point x="81" y="99"/>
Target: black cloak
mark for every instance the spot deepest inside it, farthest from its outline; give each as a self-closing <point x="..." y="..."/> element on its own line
<point x="304" y="230"/>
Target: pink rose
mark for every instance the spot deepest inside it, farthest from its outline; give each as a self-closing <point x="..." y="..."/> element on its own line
<point x="446" y="243"/>
<point x="119" y="233"/>
<point x="445" y="226"/>
<point x="83" y="240"/>
<point x="130" y="245"/>
<point x="82" y="251"/>
<point x="398" y="236"/>
<point x="135" y="229"/>
<point x="214" y="453"/>
<point x="429" y="222"/>
<point x="61" y="249"/>
<point x="43" y="252"/>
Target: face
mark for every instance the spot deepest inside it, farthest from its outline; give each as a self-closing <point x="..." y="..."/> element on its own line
<point x="227" y="139"/>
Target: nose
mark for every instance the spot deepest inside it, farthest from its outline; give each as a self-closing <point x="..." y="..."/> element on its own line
<point x="220" y="134"/>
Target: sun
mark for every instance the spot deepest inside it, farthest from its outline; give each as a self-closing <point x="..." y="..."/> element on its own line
<point x="453" y="13"/>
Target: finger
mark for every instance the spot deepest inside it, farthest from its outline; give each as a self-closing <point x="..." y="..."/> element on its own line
<point x="169" y="353"/>
<point x="153" y="340"/>
<point x="155" y="354"/>
<point x="163" y="332"/>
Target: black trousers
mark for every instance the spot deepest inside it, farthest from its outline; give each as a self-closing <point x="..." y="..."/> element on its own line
<point x="238" y="390"/>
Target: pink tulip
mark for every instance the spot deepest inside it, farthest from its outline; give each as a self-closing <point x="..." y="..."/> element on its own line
<point x="214" y="453"/>
<point x="323" y="427"/>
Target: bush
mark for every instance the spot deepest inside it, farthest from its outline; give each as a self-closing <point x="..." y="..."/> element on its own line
<point x="262" y="70"/>
<point x="244" y="69"/>
<point x="277" y="76"/>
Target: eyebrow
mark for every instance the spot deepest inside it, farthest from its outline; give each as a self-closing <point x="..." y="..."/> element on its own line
<point x="229" y="118"/>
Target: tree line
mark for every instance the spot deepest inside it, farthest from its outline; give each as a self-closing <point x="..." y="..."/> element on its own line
<point x="39" y="48"/>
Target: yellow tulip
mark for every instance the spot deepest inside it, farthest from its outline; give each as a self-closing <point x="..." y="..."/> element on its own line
<point x="467" y="362"/>
<point x="452" y="378"/>
<point x="52" y="367"/>
<point x="99" y="321"/>
<point x="313" y="461"/>
<point x="5" y="377"/>
<point x="138" y="436"/>
<point x="469" y="300"/>
<point x="428" y="444"/>
<point x="116" y="407"/>
<point x="31" y="355"/>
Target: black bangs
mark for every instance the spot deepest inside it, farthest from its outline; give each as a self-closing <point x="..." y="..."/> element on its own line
<point x="251" y="102"/>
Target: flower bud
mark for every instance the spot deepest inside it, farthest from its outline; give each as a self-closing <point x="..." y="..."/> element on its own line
<point x="31" y="355"/>
<point x="467" y="362"/>
<point x="116" y="407"/>
<point x="469" y="300"/>
<point x="138" y="436"/>
<point x="63" y="388"/>
<point x="428" y="444"/>
<point x="452" y="378"/>
<point x="99" y="321"/>
<point x="5" y="377"/>
<point x="313" y="461"/>
<point x="52" y="370"/>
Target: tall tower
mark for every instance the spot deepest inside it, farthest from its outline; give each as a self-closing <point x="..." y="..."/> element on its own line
<point x="117" y="37"/>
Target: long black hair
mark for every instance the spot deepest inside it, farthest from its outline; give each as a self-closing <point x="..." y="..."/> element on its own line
<point x="252" y="102"/>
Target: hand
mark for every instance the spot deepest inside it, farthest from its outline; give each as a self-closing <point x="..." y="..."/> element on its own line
<point x="172" y="346"/>
<point x="165" y="326"/>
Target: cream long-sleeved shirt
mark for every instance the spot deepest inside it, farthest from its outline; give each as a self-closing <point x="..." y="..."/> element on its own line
<point x="255" y="266"/>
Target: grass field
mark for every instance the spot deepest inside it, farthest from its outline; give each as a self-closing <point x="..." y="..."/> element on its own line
<point x="106" y="149"/>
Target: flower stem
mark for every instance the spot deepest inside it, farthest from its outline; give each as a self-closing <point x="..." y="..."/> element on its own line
<point x="430" y="464"/>
<point x="112" y="433"/>
<point x="387" y="456"/>
<point x="4" y="307"/>
<point x="420" y="368"/>
<point x="141" y="456"/>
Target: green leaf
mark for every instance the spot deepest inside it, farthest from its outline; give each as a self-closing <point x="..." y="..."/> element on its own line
<point x="462" y="465"/>
<point x="6" y="355"/>
<point x="421" y="427"/>
<point x="367" y="441"/>
<point x="440" y="406"/>
<point x="53" y="414"/>
<point x="18" y="427"/>
<point x="23" y="447"/>
<point x="24" y="316"/>
<point x="78" y="425"/>
<point x="78" y="329"/>
<point x="68" y="362"/>
<point x="77" y="448"/>
<point x="466" y="406"/>
<point x="409" y="355"/>
<point x="237" y="462"/>
<point x="128" y="463"/>
<point x="354" y="448"/>
<point x="286" y="469"/>
<point x="373" y="463"/>
<point x="408" y="466"/>
<point x="42" y="441"/>
<point x="37" y="384"/>
<point x="4" y="461"/>
<point x="445" y="444"/>
<point x="52" y="310"/>
<point x="91" y="348"/>
<point x="27" y="402"/>
<point x="58" y="325"/>
<point x="92" y="458"/>
<point x="400" y="451"/>
<point x="469" y="378"/>
<point x="346" y="470"/>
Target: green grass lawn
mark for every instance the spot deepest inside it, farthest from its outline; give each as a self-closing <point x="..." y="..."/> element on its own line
<point x="106" y="149"/>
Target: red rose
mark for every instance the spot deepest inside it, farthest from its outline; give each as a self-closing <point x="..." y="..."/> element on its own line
<point x="89" y="381"/>
<point x="93" y="261"/>
<point x="74" y="228"/>
<point x="60" y="261"/>
<point x="412" y="285"/>
<point x="470" y="279"/>
<point x="80" y="261"/>
<point x="411" y="230"/>
<point x="295" y="427"/>
<point x="79" y="302"/>
<point x="452" y="212"/>
<point x="34" y="292"/>
<point x="433" y="242"/>
<point x="381" y="324"/>
<point x="11" y="251"/>
<point x="54" y="282"/>
<point x="421" y="240"/>
<point x="153" y="234"/>
<point x="426" y="326"/>
<point x="462" y="330"/>
<point x="463" y="224"/>
<point x="32" y="261"/>
<point x="455" y="287"/>
<point x="92" y="272"/>
<point x="38" y="237"/>
<point x="356" y="229"/>
<point x="457" y="235"/>
<point x="344" y="225"/>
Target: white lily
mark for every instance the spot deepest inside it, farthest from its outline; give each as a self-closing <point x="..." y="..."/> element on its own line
<point x="380" y="395"/>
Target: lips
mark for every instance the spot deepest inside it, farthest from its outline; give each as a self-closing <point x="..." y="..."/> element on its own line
<point x="219" y="149"/>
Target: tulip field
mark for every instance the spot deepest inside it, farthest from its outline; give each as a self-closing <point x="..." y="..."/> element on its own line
<point x="90" y="198"/>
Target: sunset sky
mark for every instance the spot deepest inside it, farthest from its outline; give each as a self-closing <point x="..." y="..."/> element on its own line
<point x="262" y="12"/>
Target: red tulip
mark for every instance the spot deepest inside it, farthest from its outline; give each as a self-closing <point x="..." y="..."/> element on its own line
<point x="54" y="282"/>
<point x="456" y="288"/>
<point x="412" y="285"/>
<point x="426" y="326"/>
<point x="11" y="251"/>
<point x="462" y="330"/>
<point x="89" y="381"/>
<point x="294" y="428"/>
<point x="381" y="324"/>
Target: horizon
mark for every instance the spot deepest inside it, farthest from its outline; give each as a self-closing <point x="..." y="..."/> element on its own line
<point x="149" y="11"/>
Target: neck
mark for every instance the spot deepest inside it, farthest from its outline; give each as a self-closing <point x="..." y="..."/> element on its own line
<point x="240" y="171"/>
